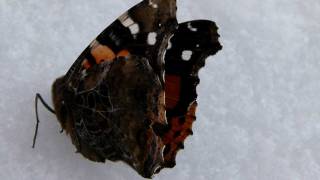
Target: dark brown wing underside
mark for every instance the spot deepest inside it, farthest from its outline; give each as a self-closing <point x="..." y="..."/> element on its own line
<point x="113" y="120"/>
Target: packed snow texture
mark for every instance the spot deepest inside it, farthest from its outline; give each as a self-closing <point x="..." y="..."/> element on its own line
<point x="259" y="104"/>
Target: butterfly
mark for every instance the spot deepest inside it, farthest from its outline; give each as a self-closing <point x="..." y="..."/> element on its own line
<point x="131" y="94"/>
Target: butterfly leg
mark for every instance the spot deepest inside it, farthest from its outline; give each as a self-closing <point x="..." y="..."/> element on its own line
<point x="37" y="98"/>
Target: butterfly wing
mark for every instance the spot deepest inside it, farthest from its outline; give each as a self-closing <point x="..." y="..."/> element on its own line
<point x="143" y="30"/>
<point x="97" y="100"/>
<point x="114" y="91"/>
<point x="189" y="47"/>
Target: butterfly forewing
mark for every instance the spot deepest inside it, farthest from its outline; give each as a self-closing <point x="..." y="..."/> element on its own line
<point x="189" y="47"/>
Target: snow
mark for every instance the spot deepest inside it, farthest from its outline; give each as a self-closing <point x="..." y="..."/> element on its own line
<point x="259" y="102"/>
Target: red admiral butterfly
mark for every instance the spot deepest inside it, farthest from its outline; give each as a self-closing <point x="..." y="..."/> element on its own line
<point x="131" y="95"/>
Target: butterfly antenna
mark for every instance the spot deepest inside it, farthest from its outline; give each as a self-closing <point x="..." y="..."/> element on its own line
<point x="38" y="96"/>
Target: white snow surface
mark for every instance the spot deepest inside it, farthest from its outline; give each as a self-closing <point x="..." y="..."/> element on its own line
<point x="259" y="104"/>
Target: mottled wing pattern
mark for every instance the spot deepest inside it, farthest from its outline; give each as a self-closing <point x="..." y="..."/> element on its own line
<point x="188" y="49"/>
<point x="114" y="91"/>
<point x="130" y="95"/>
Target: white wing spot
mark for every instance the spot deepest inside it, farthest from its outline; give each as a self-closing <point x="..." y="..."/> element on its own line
<point x="186" y="55"/>
<point x="152" y="4"/>
<point x="128" y="22"/>
<point x="152" y="38"/>
<point x="192" y="28"/>
<point x="125" y="20"/>
<point x="134" y="28"/>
